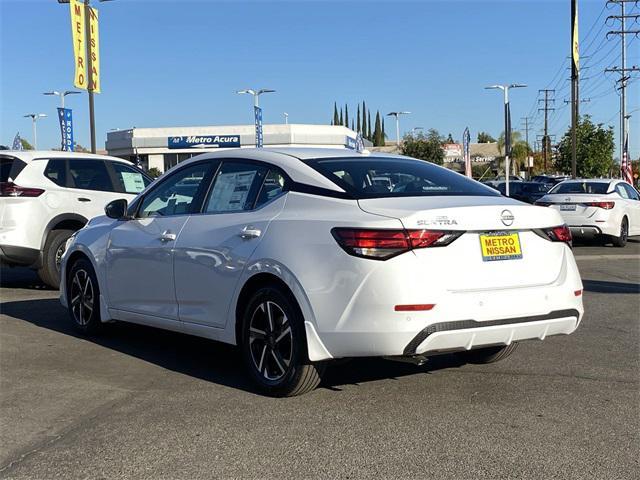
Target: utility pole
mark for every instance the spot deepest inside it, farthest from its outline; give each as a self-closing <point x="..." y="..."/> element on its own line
<point x="545" y="138"/>
<point x="526" y="137"/>
<point x="623" y="70"/>
<point x="575" y="79"/>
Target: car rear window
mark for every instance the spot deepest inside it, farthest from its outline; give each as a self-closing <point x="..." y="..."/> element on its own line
<point x="10" y="167"/>
<point x="366" y="177"/>
<point x="597" y="188"/>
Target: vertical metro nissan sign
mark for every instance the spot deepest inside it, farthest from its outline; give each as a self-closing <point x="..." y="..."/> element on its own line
<point x="80" y="36"/>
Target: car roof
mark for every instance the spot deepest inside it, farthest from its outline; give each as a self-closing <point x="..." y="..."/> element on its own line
<point x="30" y="155"/>
<point x="592" y="180"/>
<point x="292" y="161"/>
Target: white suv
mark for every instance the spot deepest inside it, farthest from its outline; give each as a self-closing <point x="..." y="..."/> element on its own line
<point x="45" y="196"/>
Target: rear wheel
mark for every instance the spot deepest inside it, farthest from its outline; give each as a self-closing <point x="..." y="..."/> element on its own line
<point x="54" y="249"/>
<point x="621" y="240"/>
<point x="488" y="355"/>
<point x="274" y="347"/>
<point x="83" y="297"/>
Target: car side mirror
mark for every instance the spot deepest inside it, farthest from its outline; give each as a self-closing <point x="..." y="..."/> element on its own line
<point x="116" y="209"/>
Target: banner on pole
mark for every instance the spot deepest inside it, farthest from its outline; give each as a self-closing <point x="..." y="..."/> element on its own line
<point x="17" y="142"/>
<point x="79" y="48"/>
<point x="66" y="128"/>
<point x="575" y="40"/>
<point x="258" y="117"/>
<point x="94" y="49"/>
<point x="626" y="170"/>
<point x="466" y="148"/>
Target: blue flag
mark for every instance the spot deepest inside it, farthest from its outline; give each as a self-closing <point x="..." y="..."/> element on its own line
<point x="258" y="115"/>
<point x="66" y="128"/>
<point x="17" y="142"/>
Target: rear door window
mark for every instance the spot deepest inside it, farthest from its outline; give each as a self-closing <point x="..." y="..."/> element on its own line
<point x="56" y="171"/>
<point x="235" y="187"/>
<point x="90" y="174"/>
<point x="129" y="179"/>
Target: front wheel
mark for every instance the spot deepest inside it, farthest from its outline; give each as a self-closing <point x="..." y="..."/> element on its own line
<point x="621" y="240"/>
<point x="487" y="355"/>
<point x="83" y="297"/>
<point x="273" y="345"/>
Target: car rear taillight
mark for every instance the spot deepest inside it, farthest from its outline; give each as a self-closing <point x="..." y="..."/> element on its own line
<point x="10" y="189"/>
<point x="605" y="205"/>
<point x="382" y="244"/>
<point x="560" y="233"/>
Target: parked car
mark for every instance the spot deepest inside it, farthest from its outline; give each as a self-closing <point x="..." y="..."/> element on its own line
<point x="527" y="192"/>
<point x="300" y="258"/>
<point x="501" y="178"/>
<point x="550" y="180"/>
<point x="46" y="196"/>
<point x="597" y="207"/>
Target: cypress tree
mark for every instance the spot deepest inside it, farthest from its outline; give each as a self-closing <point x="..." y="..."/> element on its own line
<point x="341" y="121"/>
<point x="369" y="136"/>
<point x="364" y="119"/>
<point x="358" y="118"/>
<point x="352" y="124"/>
<point x="346" y="115"/>
<point x="377" y="132"/>
<point x="335" y="114"/>
<point x="384" y="133"/>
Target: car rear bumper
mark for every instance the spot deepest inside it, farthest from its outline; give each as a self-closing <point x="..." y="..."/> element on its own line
<point x="11" y="255"/>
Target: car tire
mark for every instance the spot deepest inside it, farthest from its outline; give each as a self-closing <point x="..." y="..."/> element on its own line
<point x="83" y="297"/>
<point x="488" y="355"/>
<point x="54" y="248"/>
<point x="621" y="240"/>
<point x="274" y="347"/>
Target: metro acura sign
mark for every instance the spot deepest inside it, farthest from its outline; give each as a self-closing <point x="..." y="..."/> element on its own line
<point x="204" y="141"/>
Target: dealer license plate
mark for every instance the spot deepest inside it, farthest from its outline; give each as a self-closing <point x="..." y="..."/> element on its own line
<point x="500" y="246"/>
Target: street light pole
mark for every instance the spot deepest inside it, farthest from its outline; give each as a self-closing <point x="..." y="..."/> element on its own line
<point x="286" y="118"/>
<point x="397" y="115"/>
<point x="507" y="129"/>
<point x="34" y="118"/>
<point x="256" y="110"/>
<point x="61" y="95"/>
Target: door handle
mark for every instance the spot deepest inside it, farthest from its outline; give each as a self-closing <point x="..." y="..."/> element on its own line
<point x="167" y="236"/>
<point x="250" y="232"/>
<point x="84" y="199"/>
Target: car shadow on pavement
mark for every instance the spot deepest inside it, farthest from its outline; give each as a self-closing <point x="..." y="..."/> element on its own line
<point x="202" y="358"/>
<point x="599" y="286"/>
<point x="21" y="278"/>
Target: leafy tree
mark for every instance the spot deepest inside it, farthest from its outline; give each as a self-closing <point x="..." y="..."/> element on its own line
<point x="450" y="139"/>
<point x="154" y="172"/>
<point x="336" y="119"/>
<point x="359" y="130"/>
<point x="425" y="147"/>
<point x="384" y="132"/>
<point x="346" y="115"/>
<point x="352" y="126"/>
<point x="484" y="137"/>
<point x="378" y="140"/>
<point x="515" y="138"/>
<point x="369" y="135"/>
<point x="25" y="145"/>
<point x="595" y="147"/>
<point x="341" y="121"/>
<point x="79" y="148"/>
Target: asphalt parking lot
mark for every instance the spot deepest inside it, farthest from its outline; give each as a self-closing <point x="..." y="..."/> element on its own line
<point x="143" y="403"/>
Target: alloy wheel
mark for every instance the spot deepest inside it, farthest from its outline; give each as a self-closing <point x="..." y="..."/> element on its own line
<point x="82" y="297"/>
<point x="270" y="341"/>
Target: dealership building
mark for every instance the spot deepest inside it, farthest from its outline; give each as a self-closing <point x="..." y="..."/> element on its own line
<point x="162" y="148"/>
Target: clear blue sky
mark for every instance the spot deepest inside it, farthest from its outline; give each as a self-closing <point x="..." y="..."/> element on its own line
<point x="171" y="63"/>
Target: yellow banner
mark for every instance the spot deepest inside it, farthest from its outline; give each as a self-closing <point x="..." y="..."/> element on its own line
<point x="79" y="48"/>
<point x="94" y="42"/>
<point x="576" y="40"/>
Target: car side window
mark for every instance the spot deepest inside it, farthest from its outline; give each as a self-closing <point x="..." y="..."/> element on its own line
<point x="56" y="171"/>
<point x="274" y="185"/>
<point x="622" y="191"/>
<point x="128" y="179"/>
<point x="633" y="194"/>
<point x="90" y="174"/>
<point x="177" y="194"/>
<point x="235" y="187"/>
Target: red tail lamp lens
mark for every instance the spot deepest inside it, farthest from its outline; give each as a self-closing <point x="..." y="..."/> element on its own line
<point x="10" y="189"/>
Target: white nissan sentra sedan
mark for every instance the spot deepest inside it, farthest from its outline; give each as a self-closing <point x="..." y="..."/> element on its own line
<point x="597" y="207"/>
<point x="299" y="257"/>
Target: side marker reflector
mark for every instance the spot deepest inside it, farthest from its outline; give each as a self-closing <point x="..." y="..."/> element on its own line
<point x="577" y="293"/>
<point x="414" y="308"/>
